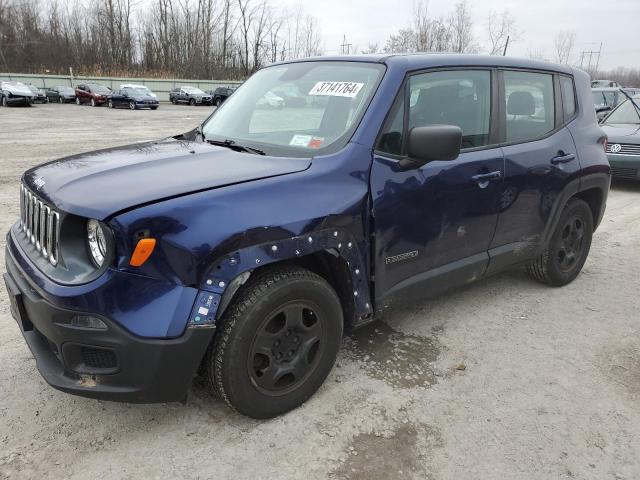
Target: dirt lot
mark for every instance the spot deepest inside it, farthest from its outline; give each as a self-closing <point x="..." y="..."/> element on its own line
<point x="506" y="379"/>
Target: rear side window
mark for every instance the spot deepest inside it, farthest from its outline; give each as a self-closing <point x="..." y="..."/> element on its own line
<point x="568" y="97"/>
<point x="461" y="98"/>
<point x="529" y="105"/>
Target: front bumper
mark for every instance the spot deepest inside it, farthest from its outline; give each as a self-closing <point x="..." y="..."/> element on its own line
<point x="18" y="100"/>
<point x="110" y="364"/>
<point x="624" y="166"/>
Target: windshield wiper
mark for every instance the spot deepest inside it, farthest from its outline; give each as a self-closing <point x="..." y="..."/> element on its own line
<point x="235" y="146"/>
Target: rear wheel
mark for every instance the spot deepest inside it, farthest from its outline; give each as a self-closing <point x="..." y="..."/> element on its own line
<point x="568" y="249"/>
<point x="276" y="343"/>
<point x="60" y="100"/>
<point x="110" y="104"/>
<point x="93" y="102"/>
<point x="4" y="101"/>
<point x="77" y="100"/>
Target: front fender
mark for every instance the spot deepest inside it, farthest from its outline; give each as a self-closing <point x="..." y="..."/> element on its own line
<point x="229" y="272"/>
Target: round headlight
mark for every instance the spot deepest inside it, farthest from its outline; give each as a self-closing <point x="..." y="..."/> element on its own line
<point x="97" y="241"/>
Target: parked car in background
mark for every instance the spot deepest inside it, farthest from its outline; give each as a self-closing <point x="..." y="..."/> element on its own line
<point x="190" y="95"/>
<point x="133" y="98"/>
<point x="92" y="93"/>
<point x="246" y="247"/>
<point x="15" y="93"/>
<point x="606" y="99"/>
<point x="604" y="83"/>
<point x="622" y="127"/>
<point x="140" y="88"/>
<point x="61" y="94"/>
<point x="293" y="97"/>
<point x="39" y="95"/>
<point x="271" y="100"/>
<point x="220" y="94"/>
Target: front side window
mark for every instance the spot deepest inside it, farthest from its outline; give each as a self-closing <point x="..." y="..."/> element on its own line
<point x="461" y="98"/>
<point x="529" y="105"/>
<point x="626" y="112"/>
<point x="297" y="109"/>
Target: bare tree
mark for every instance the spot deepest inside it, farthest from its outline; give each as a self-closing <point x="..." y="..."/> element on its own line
<point x="500" y="28"/>
<point x="563" y="43"/>
<point x="462" y="28"/>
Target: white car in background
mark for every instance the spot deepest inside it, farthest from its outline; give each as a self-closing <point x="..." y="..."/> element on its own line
<point x="15" y="93"/>
<point x="271" y="100"/>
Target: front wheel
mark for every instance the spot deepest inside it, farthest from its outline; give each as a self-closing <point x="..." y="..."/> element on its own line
<point x="276" y="343"/>
<point x="60" y="100"/>
<point x="77" y="100"/>
<point x="110" y="104"/>
<point x="93" y="102"/>
<point x="132" y="105"/>
<point x="218" y="102"/>
<point x="192" y="102"/>
<point x="4" y="101"/>
<point x="564" y="256"/>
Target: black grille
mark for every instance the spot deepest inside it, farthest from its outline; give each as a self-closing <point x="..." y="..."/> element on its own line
<point x="98" y="357"/>
<point x="624" y="172"/>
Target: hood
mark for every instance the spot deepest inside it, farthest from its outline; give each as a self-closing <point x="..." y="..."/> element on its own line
<point x="622" y="131"/>
<point x="17" y="89"/>
<point x="100" y="183"/>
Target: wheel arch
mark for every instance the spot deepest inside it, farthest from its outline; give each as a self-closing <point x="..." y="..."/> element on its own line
<point x="331" y="254"/>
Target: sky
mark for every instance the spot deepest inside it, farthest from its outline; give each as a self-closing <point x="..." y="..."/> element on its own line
<point x="614" y="23"/>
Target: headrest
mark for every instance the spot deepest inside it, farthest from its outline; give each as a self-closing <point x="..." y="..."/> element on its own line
<point x="521" y="103"/>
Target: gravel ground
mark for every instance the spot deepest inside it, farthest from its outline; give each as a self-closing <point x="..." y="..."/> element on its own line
<point x="505" y="379"/>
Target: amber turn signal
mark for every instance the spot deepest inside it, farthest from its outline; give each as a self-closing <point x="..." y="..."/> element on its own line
<point x="142" y="252"/>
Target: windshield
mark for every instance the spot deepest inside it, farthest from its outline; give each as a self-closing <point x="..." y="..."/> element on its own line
<point x="192" y="90"/>
<point x="99" y="89"/>
<point x="331" y="100"/>
<point x="136" y="90"/>
<point x="627" y="112"/>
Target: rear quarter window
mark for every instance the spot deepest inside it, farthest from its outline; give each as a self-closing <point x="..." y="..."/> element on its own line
<point x="568" y="97"/>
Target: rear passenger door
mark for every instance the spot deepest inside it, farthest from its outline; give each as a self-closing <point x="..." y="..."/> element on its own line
<point x="434" y="224"/>
<point x="540" y="160"/>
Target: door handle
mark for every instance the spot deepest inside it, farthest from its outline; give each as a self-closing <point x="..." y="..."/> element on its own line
<point x="562" y="158"/>
<point x="487" y="177"/>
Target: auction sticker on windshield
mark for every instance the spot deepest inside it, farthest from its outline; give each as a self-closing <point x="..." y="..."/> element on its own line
<point x="336" y="89"/>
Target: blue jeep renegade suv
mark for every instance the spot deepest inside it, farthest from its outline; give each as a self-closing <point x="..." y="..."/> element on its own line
<point x="246" y="247"/>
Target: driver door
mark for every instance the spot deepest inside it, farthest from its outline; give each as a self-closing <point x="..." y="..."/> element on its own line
<point x="434" y="224"/>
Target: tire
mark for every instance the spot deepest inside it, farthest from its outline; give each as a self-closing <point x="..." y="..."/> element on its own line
<point x="568" y="249"/>
<point x="110" y="104"/>
<point x="93" y="102"/>
<point x="218" y="102"/>
<point x="173" y="100"/>
<point x="132" y="105"/>
<point x="238" y="368"/>
<point x="78" y="101"/>
<point x="4" y="101"/>
<point x="192" y="102"/>
<point x="60" y="100"/>
<point x="154" y="108"/>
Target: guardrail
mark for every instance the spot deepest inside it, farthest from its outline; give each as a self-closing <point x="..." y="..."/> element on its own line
<point x="159" y="86"/>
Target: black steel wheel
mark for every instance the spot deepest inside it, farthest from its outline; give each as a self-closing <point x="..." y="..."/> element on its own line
<point x="567" y="251"/>
<point x="286" y="348"/>
<point x="276" y="343"/>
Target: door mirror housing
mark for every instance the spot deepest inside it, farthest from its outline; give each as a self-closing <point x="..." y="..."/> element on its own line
<point x="433" y="142"/>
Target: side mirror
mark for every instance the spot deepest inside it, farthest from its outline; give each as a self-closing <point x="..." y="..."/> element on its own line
<point x="433" y="142"/>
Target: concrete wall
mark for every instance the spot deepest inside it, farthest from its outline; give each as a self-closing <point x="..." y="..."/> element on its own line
<point x="160" y="87"/>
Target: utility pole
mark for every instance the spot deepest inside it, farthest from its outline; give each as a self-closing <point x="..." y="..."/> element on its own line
<point x="594" y="59"/>
<point x="346" y="47"/>
<point x="506" y="44"/>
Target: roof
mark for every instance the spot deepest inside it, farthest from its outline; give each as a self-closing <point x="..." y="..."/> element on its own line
<point x="415" y="61"/>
